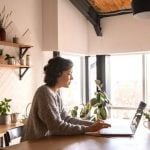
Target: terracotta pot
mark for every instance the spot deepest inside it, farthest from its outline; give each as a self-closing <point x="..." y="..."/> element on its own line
<point x="2" y="34"/>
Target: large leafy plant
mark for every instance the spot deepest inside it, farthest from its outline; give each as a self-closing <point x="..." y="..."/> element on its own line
<point x="5" y="106"/>
<point x="96" y="108"/>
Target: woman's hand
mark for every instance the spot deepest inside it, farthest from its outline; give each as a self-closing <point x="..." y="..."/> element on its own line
<point x="97" y="126"/>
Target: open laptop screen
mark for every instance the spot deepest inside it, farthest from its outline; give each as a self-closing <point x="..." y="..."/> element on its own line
<point x="137" y="116"/>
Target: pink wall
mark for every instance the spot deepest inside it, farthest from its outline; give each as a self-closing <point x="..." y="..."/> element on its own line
<point x="64" y="27"/>
<point x="121" y="34"/>
<point x="26" y="14"/>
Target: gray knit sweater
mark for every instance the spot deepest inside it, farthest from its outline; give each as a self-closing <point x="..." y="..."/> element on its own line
<point x="48" y="117"/>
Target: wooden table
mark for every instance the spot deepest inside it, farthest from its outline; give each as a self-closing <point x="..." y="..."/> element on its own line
<point x="140" y="141"/>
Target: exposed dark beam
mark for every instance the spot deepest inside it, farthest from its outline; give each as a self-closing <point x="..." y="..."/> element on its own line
<point x="87" y="78"/>
<point x="101" y="70"/>
<point x="88" y="11"/>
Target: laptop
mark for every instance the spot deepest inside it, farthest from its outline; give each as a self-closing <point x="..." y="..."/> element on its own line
<point x="122" y="127"/>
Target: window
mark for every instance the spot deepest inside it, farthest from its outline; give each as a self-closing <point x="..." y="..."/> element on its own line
<point x="74" y="94"/>
<point x="147" y="79"/>
<point x="127" y="81"/>
<point x="126" y="88"/>
<point x="92" y="76"/>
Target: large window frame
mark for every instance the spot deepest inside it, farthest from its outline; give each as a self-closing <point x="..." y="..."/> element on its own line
<point x="103" y="73"/>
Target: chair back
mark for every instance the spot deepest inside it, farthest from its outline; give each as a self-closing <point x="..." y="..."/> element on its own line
<point x="12" y="134"/>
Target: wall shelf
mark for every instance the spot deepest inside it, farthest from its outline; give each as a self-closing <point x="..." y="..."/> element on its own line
<point x="5" y="43"/>
<point x="22" y="51"/>
<point x="14" y="66"/>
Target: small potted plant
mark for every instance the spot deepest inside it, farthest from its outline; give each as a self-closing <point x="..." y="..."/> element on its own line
<point x="4" y="110"/>
<point x="10" y="59"/>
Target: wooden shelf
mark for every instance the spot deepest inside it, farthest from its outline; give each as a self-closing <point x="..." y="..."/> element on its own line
<point x="14" y="66"/>
<point x="22" y="51"/>
<point x="14" y="44"/>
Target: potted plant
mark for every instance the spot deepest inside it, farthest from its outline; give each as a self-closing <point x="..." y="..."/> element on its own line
<point x="4" y="23"/>
<point x="10" y="59"/>
<point x="96" y="108"/>
<point x="4" y="110"/>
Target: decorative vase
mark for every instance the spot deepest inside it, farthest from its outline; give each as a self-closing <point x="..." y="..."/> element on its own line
<point x="2" y="34"/>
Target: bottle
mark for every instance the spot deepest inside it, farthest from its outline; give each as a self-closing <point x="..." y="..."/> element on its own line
<point x="21" y="61"/>
<point x="27" y="60"/>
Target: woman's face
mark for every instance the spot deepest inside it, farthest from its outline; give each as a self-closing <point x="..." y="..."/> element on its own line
<point x="65" y="79"/>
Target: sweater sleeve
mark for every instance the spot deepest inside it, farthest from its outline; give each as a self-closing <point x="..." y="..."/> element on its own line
<point x="74" y="121"/>
<point x="70" y="119"/>
<point x="49" y="113"/>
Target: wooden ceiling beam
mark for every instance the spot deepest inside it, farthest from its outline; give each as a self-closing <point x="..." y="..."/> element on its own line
<point x="88" y="11"/>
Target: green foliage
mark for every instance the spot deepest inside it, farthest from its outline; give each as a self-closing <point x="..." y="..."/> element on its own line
<point x="8" y="56"/>
<point x="4" y="106"/>
<point x="74" y="111"/>
<point x="96" y="108"/>
<point x="147" y="115"/>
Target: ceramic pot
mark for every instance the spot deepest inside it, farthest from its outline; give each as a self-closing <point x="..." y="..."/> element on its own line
<point x="5" y="119"/>
<point x="146" y="124"/>
<point x="2" y="34"/>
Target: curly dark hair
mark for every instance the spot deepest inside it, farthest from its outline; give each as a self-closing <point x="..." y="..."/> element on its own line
<point x="54" y="69"/>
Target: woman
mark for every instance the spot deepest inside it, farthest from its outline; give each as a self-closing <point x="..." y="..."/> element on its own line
<point x="47" y="115"/>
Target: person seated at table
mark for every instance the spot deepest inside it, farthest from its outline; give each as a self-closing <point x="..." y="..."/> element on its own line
<point x="47" y="115"/>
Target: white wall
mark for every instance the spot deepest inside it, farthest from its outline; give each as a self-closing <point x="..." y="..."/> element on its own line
<point x="50" y="24"/>
<point x="26" y="14"/>
<point x="120" y="34"/>
<point x="65" y="28"/>
<point x="72" y="28"/>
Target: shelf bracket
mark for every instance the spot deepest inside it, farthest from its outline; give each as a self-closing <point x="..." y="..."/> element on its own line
<point x="22" y="71"/>
<point x="22" y="51"/>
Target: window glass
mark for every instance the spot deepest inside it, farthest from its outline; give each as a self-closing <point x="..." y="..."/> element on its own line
<point x="148" y="79"/>
<point x="92" y="77"/>
<point x="126" y="84"/>
<point x="73" y="95"/>
<point x="126" y="80"/>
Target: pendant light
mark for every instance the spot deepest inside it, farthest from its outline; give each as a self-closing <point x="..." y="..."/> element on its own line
<point x="141" y="9"/>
